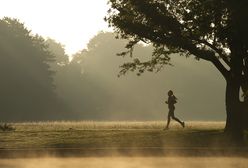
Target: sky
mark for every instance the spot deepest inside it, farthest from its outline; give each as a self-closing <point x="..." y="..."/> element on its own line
<point x="71" y="22"/>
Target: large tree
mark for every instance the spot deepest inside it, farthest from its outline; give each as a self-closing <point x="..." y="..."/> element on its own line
<point x="212" y="30"/>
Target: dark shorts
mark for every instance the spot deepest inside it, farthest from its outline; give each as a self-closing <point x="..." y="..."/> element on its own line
<point x="171" y="112"/>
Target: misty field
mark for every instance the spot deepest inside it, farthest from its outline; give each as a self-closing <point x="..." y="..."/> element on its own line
<point x="118" y="144"/>
<point x="90" y="136"/>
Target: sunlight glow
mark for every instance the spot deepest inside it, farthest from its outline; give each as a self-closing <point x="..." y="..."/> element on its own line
<point x="70" y="22"/>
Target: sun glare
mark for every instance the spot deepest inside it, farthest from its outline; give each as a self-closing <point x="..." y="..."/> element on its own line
<point x="71" y="22"/>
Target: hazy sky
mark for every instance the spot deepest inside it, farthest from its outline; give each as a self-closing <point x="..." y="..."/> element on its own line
<point x="71" y="22"/>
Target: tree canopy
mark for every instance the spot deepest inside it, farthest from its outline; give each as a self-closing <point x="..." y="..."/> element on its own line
<point x="205" y="29"/>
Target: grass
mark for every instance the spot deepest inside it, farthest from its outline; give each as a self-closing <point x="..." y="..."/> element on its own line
<point x="89" y="134"/>
<point x="86" y="125"/>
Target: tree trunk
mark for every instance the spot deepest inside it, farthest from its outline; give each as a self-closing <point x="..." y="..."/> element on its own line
<point x="245" y="111"/>
<point x="234" y="110"/>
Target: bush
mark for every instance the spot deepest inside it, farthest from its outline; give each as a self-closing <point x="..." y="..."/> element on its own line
<point x="6" y="127"/>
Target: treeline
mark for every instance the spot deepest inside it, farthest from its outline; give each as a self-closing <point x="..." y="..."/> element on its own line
<point x="39" y="82"/>
<point x="26" y="87"/>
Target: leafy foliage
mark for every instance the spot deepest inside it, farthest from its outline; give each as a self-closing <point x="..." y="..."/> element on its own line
<point x="205" y="29"/>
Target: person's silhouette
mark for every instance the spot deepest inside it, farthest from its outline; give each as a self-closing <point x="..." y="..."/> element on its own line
<point x="172" y="100"/>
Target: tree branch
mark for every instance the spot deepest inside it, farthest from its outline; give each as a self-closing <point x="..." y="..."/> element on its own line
<point x="217" y="50"/>
<point x="208" y="56"/>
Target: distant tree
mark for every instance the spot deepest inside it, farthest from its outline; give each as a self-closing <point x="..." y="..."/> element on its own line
<point x="26" y="85"/>
<point x="213" y="30"/>
<point x="67" y="75"/>
<point x="58" y="51"/>
<point x="79" y="92"/>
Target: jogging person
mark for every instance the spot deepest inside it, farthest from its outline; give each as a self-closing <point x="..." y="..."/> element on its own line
<point x="172" y="100"/>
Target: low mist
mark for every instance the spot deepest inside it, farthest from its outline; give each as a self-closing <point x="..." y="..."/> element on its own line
<point x="126" y="162"/>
